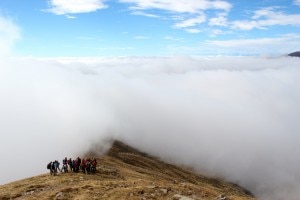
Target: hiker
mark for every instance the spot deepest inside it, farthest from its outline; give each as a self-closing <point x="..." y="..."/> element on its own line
<point x="79" y="163"/>
<point x="93" y="165"/>
<point x="49" y="166"/>
<point x="75" y="165"/>
<point x="65" y="165"/>
<point x="83" y="165"/>
<point x="56" y="165"/>
<point x="53" y="169"/>
<point x="70" y="163"/>
<point x="88" y="165"/>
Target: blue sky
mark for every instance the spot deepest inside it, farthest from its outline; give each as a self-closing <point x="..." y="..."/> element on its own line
<point x="63" y="28"/>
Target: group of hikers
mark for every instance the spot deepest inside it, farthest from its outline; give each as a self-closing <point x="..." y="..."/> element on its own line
<point x="86" y="165"/>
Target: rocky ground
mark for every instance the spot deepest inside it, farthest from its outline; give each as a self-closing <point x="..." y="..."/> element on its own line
<point x="125" y="173"/>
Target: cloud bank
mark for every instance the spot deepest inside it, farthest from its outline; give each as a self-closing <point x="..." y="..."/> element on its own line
<point x="231" y="117"/>
<point x="9" y="34"/>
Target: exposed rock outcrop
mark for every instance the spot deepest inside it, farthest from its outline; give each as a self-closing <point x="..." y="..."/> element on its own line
<point x="295" y="54"/>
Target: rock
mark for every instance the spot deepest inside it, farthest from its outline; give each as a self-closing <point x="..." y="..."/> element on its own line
<point x="29" y="192"/>
<point x="181" y="197"/>
<point x="164" y="191"/>
<point x="221" y="197"/>
<point x="295" y="54"/>
<point x="59" y="195"/>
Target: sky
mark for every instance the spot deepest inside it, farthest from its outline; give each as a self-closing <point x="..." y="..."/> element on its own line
<point x="66" y="28"/>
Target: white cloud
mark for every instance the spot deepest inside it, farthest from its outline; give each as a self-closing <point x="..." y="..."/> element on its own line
<point x="70" y="16"/>
<point x="232" y="117"/>
<point x="9" y="34"/>
<point x="216" y="32"/>
<point x="189" y="12"/>
<point x="141" y="37"/>
<point x="220" y="20"/>
<point x="141" y="13"/>
<point x="297" y="2"/>
<point x="175" y="39"/>
<point x="201" y="18"/>
<point x="266" y="17"/>
<point x="184" y="6"/>
<point x="280" y="45"/>
<point x="193" y="30"/>
<point x="276" y="46"/>
<point x="64" y="7"/>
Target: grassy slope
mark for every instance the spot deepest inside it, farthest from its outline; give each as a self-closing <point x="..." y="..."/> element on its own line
<point x="124" y="173"/>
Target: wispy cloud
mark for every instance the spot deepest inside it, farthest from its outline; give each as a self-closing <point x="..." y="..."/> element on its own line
<point x="70" y="16"/>
<point x="189" y="13"/>
<point x="278" y="45"/>
<point x="65" y="7"/>
<point x="142" y="13"/>
<point x="141" y="37"/>
<point x="187" y="6"/>
<point x="297" y="2"/>
<point x="9" y="34"/>
<point x="191" y="22"/>
<point x="267" y="46"/>
<point x="173" y="38"/>
<point x="266" y="17"/>
<point x="193" y="30"/>
<point x="219" y="20"/>
<point x="216" y="32"/>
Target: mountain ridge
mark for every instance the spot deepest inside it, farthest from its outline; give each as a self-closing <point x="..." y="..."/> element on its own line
<point x="126" y="173"/>
<point x="294" y="54"/>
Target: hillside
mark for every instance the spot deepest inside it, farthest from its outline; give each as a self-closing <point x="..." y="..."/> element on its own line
<point x="125" y="173"/>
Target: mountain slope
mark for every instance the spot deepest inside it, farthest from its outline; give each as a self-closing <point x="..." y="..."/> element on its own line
<point x="125" y="173"/>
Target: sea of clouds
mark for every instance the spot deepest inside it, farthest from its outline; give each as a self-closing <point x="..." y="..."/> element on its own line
<point x="236" y="118"/>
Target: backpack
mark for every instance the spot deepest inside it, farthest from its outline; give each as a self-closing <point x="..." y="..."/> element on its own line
<point x="48" y="166"/>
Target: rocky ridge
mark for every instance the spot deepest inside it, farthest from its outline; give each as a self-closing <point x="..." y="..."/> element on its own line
<point x="295" y="54"/>
<point x="126" y="173"/>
